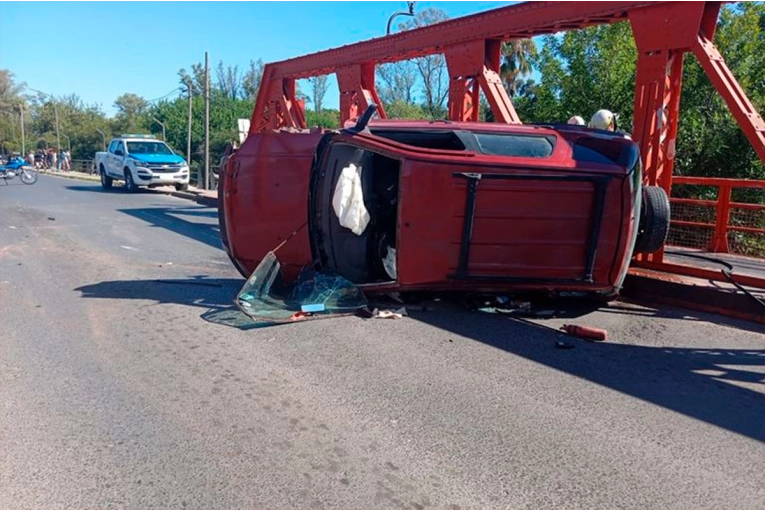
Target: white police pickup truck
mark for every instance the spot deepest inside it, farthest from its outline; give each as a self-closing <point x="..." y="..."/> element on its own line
<point x="141" y="160"/>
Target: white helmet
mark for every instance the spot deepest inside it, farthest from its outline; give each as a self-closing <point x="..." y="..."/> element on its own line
<point x="603" y="119"/>
<point x="576" y="119"/>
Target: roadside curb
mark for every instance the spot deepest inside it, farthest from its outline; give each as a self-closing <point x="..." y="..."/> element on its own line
<point x="78" y="176"/>
<point x="187" y="195"/>
<point x="190" y="195"/>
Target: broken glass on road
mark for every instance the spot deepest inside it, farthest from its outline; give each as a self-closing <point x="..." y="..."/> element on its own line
<point x="268" y="297"/>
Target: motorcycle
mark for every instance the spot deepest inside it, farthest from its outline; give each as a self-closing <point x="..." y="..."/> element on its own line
<point x="17" y="166"/>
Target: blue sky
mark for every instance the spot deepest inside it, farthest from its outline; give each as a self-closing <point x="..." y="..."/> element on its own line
<point x="99" y="50"/>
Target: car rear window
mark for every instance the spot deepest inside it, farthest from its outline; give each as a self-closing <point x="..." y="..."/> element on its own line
<point x="444" y="140"/>
<point x="521" y="146"/>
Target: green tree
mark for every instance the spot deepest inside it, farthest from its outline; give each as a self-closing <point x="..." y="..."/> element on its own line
<point x="708" y="135"/>
<point x="516" y="63"/>
<point x="195" y="79"/>
<point x="252" y="78"/>
<point x="404" y="110"/>
<point x="396" y="82"/>
<point x="432" y="69"/>
<point x="583" y="71"/>
<point x="329" y="119"/>
<point x="11" y="99"/>
<point x="130" y="111"/>
<point x="318" y="86"/>
<point x="229" y="80"/>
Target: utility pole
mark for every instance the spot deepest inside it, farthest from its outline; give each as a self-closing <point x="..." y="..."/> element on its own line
<point x="188" y="129"/>
<point x="23" y="144"/>
<point x="207" y="122"/>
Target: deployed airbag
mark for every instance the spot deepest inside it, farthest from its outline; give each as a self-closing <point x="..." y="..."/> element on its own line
<point x="348" y="200"/>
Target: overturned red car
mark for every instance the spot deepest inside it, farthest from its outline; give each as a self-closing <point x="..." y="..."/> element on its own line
<point x="444" y="206"/>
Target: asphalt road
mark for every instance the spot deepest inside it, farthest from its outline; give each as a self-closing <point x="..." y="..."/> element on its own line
<point x="122" y="386"/>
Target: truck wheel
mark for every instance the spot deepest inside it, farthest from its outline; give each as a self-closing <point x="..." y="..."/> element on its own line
<point x="181" y="187"/>
<point x="654" y="220"/>
<point x="129" y="182"/>
<point x="106" y="181"/>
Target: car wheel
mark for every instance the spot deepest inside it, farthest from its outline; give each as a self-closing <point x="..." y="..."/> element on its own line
<point x="181" y="186"/>
<point x="106" y="181"/>
<point x="654" y="220"/>
<point x="129" y="182"/>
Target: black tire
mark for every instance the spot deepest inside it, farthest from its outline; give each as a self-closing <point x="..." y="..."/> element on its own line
<point x="654" y="220"/>
<point x="28" y="176"/>
<point x="181" y="187"/>
<point x="130" y="185"/>
<point x="106" y="181"/>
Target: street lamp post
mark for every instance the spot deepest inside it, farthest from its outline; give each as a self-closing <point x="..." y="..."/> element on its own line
<point x="103" y="135"/>
<point x="164" y="139"/>
<point x="69" y="142"/>
<point x="410" y="13"/>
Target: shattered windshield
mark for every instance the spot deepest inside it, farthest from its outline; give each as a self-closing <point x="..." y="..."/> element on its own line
<point x="267" y="297"/>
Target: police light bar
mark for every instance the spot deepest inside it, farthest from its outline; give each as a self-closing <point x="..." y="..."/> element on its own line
<point x="138" y="136"/>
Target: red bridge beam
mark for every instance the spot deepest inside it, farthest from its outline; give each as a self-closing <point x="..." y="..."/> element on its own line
<point x="516" y="21"/>
<point x="277" y="107"/>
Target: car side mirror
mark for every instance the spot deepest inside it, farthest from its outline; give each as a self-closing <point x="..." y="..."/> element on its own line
<point x="118" y="152"/>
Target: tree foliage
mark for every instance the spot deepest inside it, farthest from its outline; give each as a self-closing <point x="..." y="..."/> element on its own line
<point x="251" y="80"/>
<point x="398" y="82"/>
<point x="431" y="68"/>
<point x="319" y="86"/>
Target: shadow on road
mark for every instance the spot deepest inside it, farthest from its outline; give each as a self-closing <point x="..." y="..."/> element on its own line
<point x="171" y="218"/>
<point x="199" y="291"/>
<point x="215" y="295"/>
<point x="705" y="384"/>
<point x="700" y="383"/>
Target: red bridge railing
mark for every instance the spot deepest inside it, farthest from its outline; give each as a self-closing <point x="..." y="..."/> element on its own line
<point x="724" y="215"/>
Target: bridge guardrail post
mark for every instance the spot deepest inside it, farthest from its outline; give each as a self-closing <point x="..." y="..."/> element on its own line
<point x="722" y="213"/>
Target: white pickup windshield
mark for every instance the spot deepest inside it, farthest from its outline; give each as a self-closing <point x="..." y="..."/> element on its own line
<point x="148" y="148"/>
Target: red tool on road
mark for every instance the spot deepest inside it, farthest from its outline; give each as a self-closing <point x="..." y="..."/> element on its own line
<point x="586" y="332"/>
